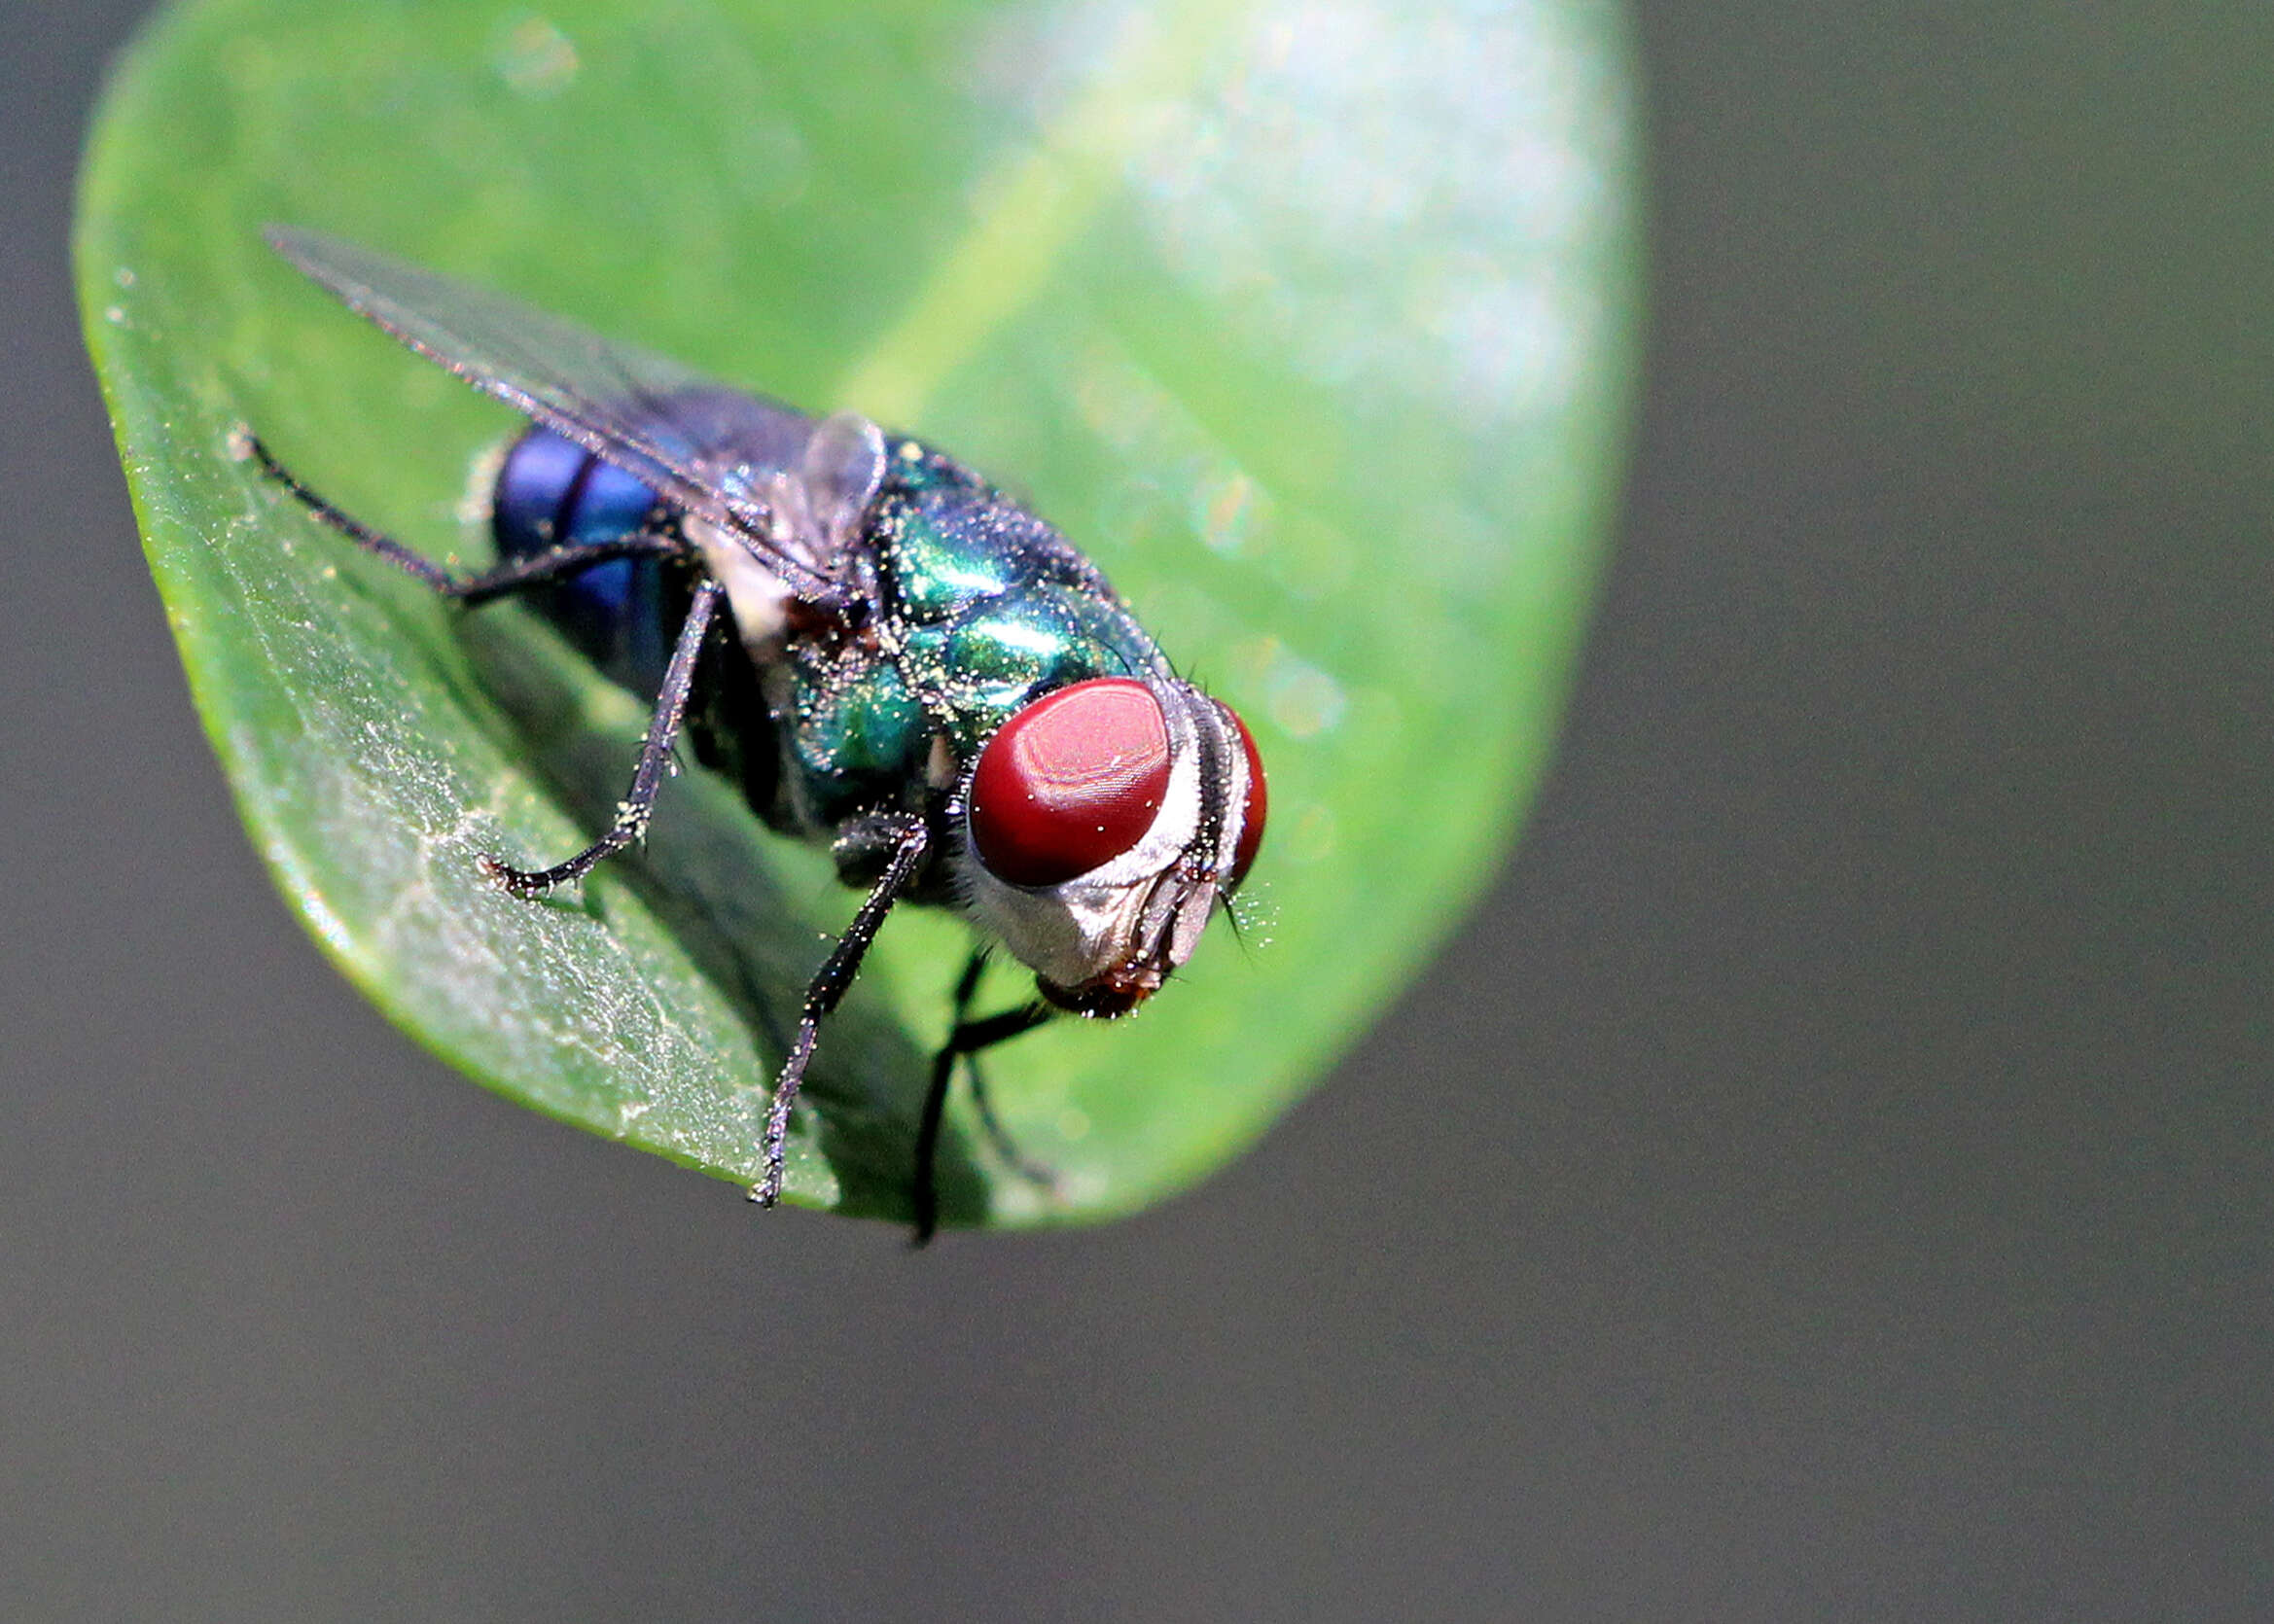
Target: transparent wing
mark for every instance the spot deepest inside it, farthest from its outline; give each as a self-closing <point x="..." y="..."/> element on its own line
<point x="699" y="445"/>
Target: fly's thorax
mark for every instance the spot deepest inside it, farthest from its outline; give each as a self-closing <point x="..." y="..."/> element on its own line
<point x="989" y="608"/>
<point x="980" y="667"/>
<point x="850" y="730"/>
<point x="857" y="739"/>
<point x="1102" y="940"/>
<point x="954" y="616"/>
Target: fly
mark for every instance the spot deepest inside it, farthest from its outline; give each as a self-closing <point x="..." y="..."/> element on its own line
<point x="885" y="653"/>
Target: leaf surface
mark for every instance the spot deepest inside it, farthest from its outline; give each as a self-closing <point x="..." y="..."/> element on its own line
<point x="1313" y="324"/>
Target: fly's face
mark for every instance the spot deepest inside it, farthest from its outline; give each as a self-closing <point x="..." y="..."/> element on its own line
<point x="1102" y="824"/>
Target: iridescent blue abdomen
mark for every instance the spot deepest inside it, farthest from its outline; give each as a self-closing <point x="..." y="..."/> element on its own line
<point x="554" y="493"/>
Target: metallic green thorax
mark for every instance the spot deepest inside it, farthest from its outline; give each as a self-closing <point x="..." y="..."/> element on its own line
<point x="982" y="608"/>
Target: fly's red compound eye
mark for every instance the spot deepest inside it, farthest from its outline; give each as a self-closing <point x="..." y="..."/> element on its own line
<point x="1252" y="806"/>
<point x="1071" y="781"/>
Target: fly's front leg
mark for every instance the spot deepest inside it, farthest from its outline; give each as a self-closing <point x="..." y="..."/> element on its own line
<point x="827" y="988"/>
<point x="966" y="1039"/>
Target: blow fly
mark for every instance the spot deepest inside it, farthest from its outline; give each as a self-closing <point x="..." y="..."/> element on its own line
<point x="886" y="653"/>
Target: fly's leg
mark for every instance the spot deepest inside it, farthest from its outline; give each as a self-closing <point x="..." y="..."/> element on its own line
<point x="514" y="575"/>
<point x="517" y="575"/>
<point x="965" y="1041"/>
<point x="986" y="1034"/>
<point x="827" y="987"/>
<point x="639" y="802"/>
<point x="969" y="1038"/>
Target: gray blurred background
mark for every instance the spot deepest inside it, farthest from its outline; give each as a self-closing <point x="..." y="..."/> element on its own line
<point x="1846" y="1184"/>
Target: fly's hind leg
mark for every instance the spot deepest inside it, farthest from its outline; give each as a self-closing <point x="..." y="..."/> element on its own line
<point x="514" y="575"/>
<point x="517" y="575"/>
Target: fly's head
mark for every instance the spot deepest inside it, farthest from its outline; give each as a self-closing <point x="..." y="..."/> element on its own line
<point x="1102" y="824"/>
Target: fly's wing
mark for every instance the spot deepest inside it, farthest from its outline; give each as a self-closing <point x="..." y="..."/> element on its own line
<point x="702" y="448"/>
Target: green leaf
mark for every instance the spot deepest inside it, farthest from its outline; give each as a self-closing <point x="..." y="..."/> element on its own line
<point x="1312" y="323"/>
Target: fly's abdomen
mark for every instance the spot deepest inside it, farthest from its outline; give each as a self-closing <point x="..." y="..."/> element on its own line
<point x="551" y="492"/>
